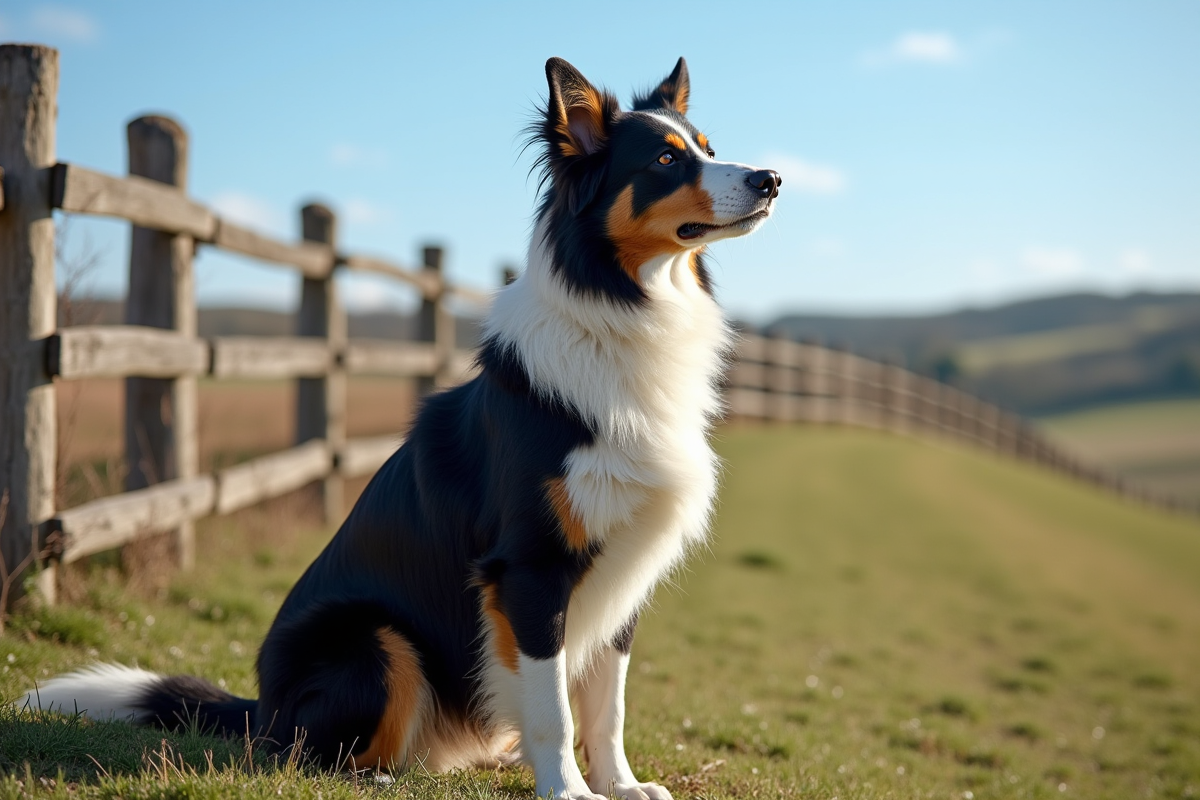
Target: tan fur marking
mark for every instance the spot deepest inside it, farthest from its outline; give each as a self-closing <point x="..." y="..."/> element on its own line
<point x="405" y="690"/>
<point x="570" y="523"/>
<point x="503" y="638"/>
<point x="694" y="263"/>
<point x="681" y="96"/>
<point x="586" y="106"/>
<point x="702" y="140"/>
<point x="675" y="140"/>
<point x="638" y="239"/>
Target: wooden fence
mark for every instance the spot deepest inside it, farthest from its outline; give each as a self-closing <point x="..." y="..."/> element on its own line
<point x="160" y="356"/>
<point x="786" y="381"/>
<point x="158" y="352"/>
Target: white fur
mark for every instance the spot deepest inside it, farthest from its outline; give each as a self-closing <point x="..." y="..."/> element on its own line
<point x="683" y="133"/>
<point x="547" y="733"/>
<point x="725" y="183"/>
<point x="101" y="692"/>
<point x="645" y="379"/>
<point x="732" y="199"/>
<point x="601" y="703"/>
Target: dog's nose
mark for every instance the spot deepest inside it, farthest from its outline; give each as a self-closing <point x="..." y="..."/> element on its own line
<point x="765" y="181"/>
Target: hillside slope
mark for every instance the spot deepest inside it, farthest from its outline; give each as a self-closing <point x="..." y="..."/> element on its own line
<point x="876" y="617"/>
<point x="902" y="617"/>
<point x="1036" y="355"/>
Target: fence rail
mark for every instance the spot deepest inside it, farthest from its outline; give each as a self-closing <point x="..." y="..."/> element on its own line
<point x="784" y="381"/>
<point x="160" y="356"/>
<point x="157" y="351"/>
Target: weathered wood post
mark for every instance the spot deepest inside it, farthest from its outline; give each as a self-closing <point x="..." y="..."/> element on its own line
<point x="809" y="405"/>
<point x="160" y="413"/>
<point x="321" y="402"/>
<point x="820" y="385"/>
<point x="780" y="375"/>
<point x="887" y="396"/>
<point x="431" y="323"/>
<point x="28" y="440"/>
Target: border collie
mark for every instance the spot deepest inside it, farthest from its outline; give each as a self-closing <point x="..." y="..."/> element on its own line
<point x="492" y="571"/>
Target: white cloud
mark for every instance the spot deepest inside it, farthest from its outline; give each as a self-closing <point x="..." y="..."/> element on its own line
<point x="937" y="48"/>
<point x="367" y="293"/>
<point x="363" y="212"/>
<point x="806" y="176"/>
<point x="362" y="296"/>
<point x="923" y="47"/>
<point x="1052" y="262"/>
<point x="345" y="154"/>
<point x="246" y="209"/>
<point x="64" y="23"/>
<point x="1135" y="262"/>
<point x="238" y="293"/>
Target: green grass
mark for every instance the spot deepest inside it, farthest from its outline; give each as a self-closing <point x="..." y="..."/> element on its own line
<point x="1149" y="416"/>
<point x="876" y="617"/>
<point x="983" y="355"/>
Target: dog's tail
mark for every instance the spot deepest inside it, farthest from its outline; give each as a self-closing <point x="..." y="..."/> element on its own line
<point x="110" y="692"/>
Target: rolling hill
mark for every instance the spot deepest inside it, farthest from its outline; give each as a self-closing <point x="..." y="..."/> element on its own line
<point x="875" y="616"/>
<point x="1038" y="355"/>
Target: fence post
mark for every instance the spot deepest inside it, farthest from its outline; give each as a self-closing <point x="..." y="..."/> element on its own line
<point x="431" y="322"/>
<point x="780" y="375"/>
<point x="28" y="435"/>
<point x="321" y="402"/>
<point x="160" y="413"/>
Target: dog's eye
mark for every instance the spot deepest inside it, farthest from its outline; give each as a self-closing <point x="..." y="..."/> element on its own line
<point x="667" y="159"/>
<point x="712" y="153"/>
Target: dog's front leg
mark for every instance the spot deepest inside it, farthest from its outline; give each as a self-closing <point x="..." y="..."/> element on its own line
<point x="534" y="603"/>
<point x="601" y="702"/>
<point x="547" y="733"/>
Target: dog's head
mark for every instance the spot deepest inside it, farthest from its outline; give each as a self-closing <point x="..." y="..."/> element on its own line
<point x="628" y="187"/>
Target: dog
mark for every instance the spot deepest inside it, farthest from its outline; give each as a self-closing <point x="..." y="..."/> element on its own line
<point x="492" y="571"/>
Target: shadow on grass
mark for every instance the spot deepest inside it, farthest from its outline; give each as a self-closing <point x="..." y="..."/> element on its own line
<point x="49" y="755"/>
<point x="49" y="745"/>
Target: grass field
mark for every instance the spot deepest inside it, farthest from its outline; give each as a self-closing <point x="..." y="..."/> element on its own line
<point x="876" y="617"/>
<point x="1155" y="443"/>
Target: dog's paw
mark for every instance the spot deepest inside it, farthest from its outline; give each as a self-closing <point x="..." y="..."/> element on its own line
<point x="577" y="794"/>
<point x="578" y="791"/>
<point x="637" y="791"/>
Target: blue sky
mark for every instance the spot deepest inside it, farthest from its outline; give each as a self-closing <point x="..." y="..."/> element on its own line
<point x="934" y="154"/>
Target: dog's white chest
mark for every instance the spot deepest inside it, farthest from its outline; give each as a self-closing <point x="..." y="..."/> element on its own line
<point x="643" y="378"/>
<point x="642" y="503"/>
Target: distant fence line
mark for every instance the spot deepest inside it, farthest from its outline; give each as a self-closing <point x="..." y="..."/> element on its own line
<point x="160" y="356"/>
<point x="785" y="381"/>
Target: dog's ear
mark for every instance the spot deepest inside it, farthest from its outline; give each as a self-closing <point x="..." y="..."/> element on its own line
<point x="672" y="93"/>
<point x="579" y="113"/>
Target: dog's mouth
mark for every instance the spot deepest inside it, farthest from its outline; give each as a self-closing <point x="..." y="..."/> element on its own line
<point x="694" y="230"/>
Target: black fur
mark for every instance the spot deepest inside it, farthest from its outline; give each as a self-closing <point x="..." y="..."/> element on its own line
<point x="623" y="641"/>
<point x="672" y="92"/>
<point x="324" y="676"/>
<point x="459" y="504"/>
<point x="583" y="187"/>
<point x="462" y="508"/>
<point x="182" y="700"/>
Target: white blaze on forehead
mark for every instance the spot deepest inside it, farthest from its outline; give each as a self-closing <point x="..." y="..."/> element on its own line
<point x="683" y="133"/>
<point x="724" y="181"/>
